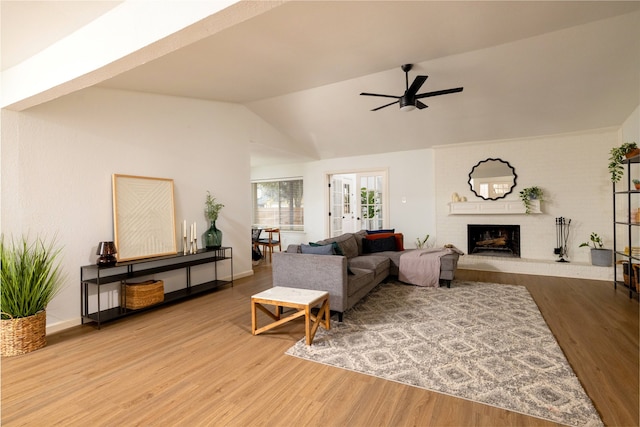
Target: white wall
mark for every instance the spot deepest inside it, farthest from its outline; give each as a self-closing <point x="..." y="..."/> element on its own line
<point x="631" y="127"/>
<point x="411" y="175"/>
<point x="572" y="171"/>
<point x="571" y="168"/>
<point x="58" y="159"/>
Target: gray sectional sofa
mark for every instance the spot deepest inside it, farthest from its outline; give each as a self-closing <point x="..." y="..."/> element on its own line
<point x="347" y="278"/>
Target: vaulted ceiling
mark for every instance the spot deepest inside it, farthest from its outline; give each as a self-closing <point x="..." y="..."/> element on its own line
<point x="527" y="68"/>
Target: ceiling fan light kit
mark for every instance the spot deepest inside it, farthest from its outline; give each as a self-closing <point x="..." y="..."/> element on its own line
<point x="410" y="99"/>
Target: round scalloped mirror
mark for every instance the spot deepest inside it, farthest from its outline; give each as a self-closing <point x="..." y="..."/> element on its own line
<point x="492" y="179"/>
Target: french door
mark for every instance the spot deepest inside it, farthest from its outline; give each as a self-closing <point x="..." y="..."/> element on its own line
<point x="357" y="201"/>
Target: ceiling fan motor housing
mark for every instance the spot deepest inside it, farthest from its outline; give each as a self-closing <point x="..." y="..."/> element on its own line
<point x="407" y="103"/>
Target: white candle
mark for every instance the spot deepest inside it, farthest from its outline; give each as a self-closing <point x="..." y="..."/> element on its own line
<point x="191" y="229"/>
<point x="184" y="228"/>
<point x="195" y="230"/>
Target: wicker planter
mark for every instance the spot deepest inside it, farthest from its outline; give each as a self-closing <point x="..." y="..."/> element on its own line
<point x="23" y="334"/>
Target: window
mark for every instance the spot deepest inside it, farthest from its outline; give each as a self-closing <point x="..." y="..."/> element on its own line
<point x="278" y="204"/>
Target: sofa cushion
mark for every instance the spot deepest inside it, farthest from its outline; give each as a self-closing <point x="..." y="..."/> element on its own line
<point x="359" y="235"/>
<point x="375" y="263"/>
<point x="399" y="239"/>
<point x="358" y="280"/>
<point x="317" y="249"/>
<point x="336" y="247"/>
<point x="336" y="251"/>
<point x="370" y="246"/>
<point x="347" y="243"/>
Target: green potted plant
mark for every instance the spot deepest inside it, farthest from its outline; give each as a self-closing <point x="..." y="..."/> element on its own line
<point x="421" y="243"/>
<point x="599" y="255"/>
<point x="528" y="194"/>
<point x="213" y="236"/>
<point x="617" y="157"/>
<point x="31" y="277"/>
<point x="636" y="183"/>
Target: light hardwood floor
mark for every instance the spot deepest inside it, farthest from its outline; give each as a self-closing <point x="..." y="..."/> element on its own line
<point x="196" y="363"/>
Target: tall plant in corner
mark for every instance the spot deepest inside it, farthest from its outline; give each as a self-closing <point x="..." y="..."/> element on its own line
<point x="31" y="277"/>
<point x="616" y="159"/>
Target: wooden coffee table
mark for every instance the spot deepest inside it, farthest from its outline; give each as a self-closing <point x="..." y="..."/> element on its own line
<point x="301" y="299"/>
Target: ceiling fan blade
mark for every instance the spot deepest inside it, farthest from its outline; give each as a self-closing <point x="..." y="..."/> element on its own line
<point x="439" y="92"/>
<point x="416" y="85"/>
<point x="380" y="108"/>
<point x="420" y="105"/>
<point x="379" y="94"/>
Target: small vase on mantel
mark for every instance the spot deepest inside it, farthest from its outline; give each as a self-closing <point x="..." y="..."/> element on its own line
<point x="213" y="237"/>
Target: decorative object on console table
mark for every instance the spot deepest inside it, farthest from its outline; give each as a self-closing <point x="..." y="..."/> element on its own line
<point x="143" y="294"/>
<point x="143" y="217"/>
<point x="617" y="157"/>
<point x="30" y="276"/>
<point x="599" y="255"/>
<point x="531" y="193"/>
<point x="213" y="236"/>
<point x="107" y="252"/>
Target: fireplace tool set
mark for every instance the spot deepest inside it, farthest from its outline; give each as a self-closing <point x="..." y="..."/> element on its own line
<point x="562" y="235"/>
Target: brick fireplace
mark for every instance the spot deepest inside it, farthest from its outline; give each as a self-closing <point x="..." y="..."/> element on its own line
<point x="493" y="240"/>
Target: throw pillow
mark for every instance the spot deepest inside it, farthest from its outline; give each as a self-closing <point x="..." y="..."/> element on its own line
<point x="379" y="245"/>
<point x="336" y="251"/>
<point x="392" y="230"/>
<point x="336" y="248"/>
<point x="399" y="239"/>
<point x="317" y="250"/>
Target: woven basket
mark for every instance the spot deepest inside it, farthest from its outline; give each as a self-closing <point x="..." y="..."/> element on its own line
<point x="23" y="334"/>
<point x="143" y="294"/>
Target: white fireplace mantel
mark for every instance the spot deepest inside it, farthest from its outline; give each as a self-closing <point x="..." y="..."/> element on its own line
<point x="493" y="207"/>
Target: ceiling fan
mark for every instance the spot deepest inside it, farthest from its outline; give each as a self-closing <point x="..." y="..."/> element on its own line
<point x="410" y="100"/>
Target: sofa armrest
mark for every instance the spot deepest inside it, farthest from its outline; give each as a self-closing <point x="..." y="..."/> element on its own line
<point x="310" y="271"/>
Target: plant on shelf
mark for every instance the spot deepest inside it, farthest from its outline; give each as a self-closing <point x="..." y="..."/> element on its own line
<point x="616" y="159"/>
<point x="421" y="243"/>
<point x="599" y="255"/>
<point x="595" y="240"/>
<point x="529" y="194"/>
<point x="636" y="183"/>
<point x="31" y="277"/>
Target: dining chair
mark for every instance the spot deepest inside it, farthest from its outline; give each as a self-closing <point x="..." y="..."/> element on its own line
<point x="271" y="242"/>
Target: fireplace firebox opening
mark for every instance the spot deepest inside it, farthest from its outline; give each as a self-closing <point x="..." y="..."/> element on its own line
<point x="493" y="240"/>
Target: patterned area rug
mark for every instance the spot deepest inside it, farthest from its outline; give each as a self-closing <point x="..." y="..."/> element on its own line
<point x="478" y="341"/>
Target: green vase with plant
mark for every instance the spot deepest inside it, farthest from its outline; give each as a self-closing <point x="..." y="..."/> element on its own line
<point x="213" y="236"/>
<point x="528" y="194"/>
<point x="617" y="157"/>
<point x="31" y="277"/>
